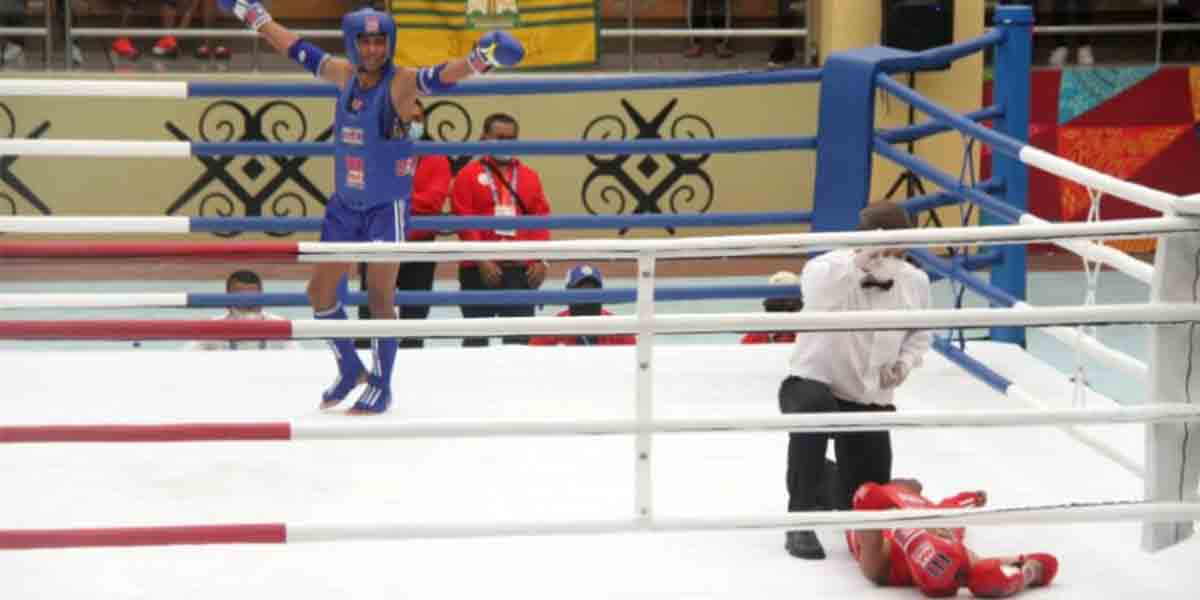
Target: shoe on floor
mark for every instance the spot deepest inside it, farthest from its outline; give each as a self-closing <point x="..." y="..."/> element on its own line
<point x="1058" y="58"/>
<point x="722" y="50"/>
<point x="167" y="46"/>
<point x="124" y="48"/>
<point x="202" y="51"/>
<point x="804" y="544"/>
<point x="1085" y="57"/>
<point x="12" y="52"/>
<point x="694" y="50"/>
<point x="76" y="54"/>
<point x="222" y="53"/>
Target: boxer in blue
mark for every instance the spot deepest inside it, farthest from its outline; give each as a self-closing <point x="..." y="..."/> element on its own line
<point x="374" y="165"/>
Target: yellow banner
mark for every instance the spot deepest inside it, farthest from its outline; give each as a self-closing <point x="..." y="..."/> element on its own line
<point x="556" y="33"/>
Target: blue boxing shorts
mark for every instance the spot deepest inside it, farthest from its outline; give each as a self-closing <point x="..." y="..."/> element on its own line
<point x="380" y="223"/>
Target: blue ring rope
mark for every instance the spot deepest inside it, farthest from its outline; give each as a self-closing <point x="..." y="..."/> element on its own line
<point x="981" y="371"/>
<point x="999" y="141"/>
<point x="531" y="85"/>
<point x="555" y="297"/>
<point x="913" y="133"/>
<point x="297" y="224"/>
<point x="536" y="148"/>
<point x="924" y="169"/>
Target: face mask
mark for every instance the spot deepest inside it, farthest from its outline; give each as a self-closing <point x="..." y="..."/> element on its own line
<point x="590" y="309"/>
<point x="781" y="305"/>
<point x="502" y="159"/>
<point x="416" y="130"/>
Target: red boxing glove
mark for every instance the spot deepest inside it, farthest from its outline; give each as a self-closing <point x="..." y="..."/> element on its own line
<point x="992" y="578"/>
<point x="933" y="561"/>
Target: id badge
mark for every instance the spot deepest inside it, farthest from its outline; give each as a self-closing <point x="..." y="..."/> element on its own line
<point x="506" y="211"/>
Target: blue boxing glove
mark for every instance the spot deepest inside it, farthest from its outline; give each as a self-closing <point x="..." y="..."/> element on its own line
<point x="249" y="12"/>
<point x="495" y="49"/>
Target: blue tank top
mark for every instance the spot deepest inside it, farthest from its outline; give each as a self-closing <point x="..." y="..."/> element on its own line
<point x="374" y="161"/>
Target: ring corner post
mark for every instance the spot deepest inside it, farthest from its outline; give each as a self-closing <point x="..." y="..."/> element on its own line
<point x="845" y="138"/>
<point x="1172" y="450"/>
<point x="1013" y="69"/>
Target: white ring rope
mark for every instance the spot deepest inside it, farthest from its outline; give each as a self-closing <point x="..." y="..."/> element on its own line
<point x="746" y="245"/>
<point x="866" y="320"/>
<point x="1050" y="515"/>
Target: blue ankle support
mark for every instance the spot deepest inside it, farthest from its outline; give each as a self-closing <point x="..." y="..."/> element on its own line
<point x="385" y="357"/>
<point x="349" y="364"/>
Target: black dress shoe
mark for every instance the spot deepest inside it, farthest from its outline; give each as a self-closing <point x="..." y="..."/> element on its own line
<point x="804" y="544"/>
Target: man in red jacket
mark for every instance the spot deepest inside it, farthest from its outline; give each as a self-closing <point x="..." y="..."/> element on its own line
<point x="584" y="277"/>
<point x="784" y="304"/>
<point x="502" y="186"/>
<point x="431" y="186"/>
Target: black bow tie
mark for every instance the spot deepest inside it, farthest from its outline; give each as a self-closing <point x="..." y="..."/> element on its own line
<point x="875" y="283"/>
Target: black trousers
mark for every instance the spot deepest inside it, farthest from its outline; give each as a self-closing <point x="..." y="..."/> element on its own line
<point x="411" y="277"/>
<point x="861" y="456"/>
<point x="512" y="278"/>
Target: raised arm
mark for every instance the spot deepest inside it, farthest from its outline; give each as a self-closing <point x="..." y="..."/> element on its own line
<point x="495" y="49"/>
<point x="284" y="41"/>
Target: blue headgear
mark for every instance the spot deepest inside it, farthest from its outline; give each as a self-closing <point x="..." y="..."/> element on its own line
<point x="370" y="22"/>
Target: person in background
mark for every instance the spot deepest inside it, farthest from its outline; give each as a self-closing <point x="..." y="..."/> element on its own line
<point x="499" y="185"/>
<point x="705" y="14"/>
<point x="1072" y="12"/>
<point x="782" y="304"/>
<point x="584" y="277"/>
<point x="218" y="50"/>
<point x="167" y="45"/>
<point x="244" y="282"/>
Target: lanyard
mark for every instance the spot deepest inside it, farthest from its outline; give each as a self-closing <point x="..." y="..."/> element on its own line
<point x="497" y="195"/>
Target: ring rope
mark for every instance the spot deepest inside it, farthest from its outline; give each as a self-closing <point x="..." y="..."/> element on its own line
<point x="877" y="320"/>
<point x="306" y="431"/>
<point x="281" y="533"/>
<point x="694" y="247"/>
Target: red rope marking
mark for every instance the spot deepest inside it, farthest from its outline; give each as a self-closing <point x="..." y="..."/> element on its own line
<point x="78" y="249"/>
<point x="187" y="432"/>
<point x="221" y="329"/>
<point x="25" y="539"/>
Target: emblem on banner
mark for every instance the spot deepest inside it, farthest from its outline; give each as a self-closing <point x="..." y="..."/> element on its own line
<point x="648" y="180"/>
<point x="493" y="14"/>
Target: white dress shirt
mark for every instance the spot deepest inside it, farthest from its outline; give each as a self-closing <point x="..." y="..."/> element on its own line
<point x="850" y="361"/>
<point x="244" y="344"/>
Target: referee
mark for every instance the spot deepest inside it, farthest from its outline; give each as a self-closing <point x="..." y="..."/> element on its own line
<point x="850" y="371"/>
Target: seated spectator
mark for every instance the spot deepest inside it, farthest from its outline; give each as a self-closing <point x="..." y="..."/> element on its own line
<point x="709" y="14"/>
<point x="784" y="304"/>
<point x="584" y="277"/>
<point x="499" y="186"/>
<point x="244" y="282"/>
<point x="1072" y="12"/>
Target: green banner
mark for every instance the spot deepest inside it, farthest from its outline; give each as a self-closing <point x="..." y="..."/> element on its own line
<point x="556" y="33"/>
